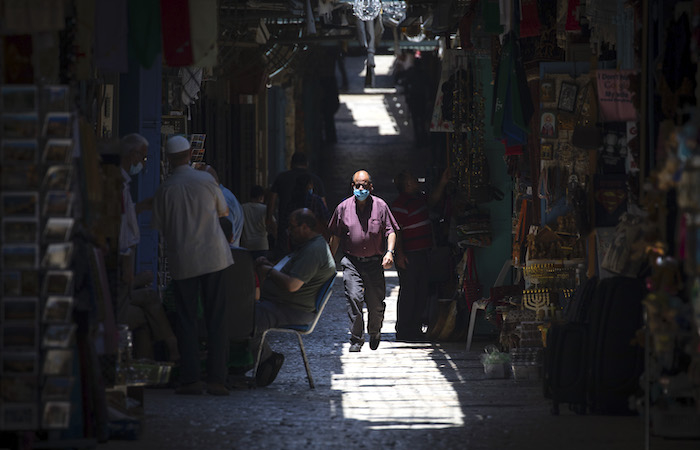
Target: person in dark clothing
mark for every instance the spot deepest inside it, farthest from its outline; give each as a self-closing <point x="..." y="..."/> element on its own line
<point x="413" y="244"/>
<point x="280" y="201"/>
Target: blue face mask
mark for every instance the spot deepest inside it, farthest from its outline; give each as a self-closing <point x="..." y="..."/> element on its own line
<point x="135" y="169"/>
<point x="360" y="194"/>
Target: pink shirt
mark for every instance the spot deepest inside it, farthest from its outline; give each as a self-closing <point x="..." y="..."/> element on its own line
<point x="363" y="233"/>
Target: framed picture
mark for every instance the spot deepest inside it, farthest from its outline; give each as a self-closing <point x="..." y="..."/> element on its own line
<point x="56" y="98"/>
<point x="548" y="125"/>
<point x="20" y="283"/>
<point x="19" y="98"/>
<point x="21" y="338"/>
<point x="59" y="335"/>
<point x="20" y="231"/>
<point x="19" y="416"/>
<point x="20" y="256"/>
<point x="19" y="151"/>
<point x="58" y="229"/>
<point x="58" y="204"/>
<point x="56" y="415"/>
<point x="22" y="363"/>
<point x="20" y="389"/>
<point x="20" y="204"/>
<point x="58" y="151"/>
<point x="58" y="309"/>
<point x="57" y="125"/>
<point x="57" y="388"/>
<point x="58" y="178"/>
<point x="58" y="362"/>
<point x="58" y="255"/>
<point x="548" y="91"/>
<point x="567" y="96"/>
<point x="566" y="121"/>
<point x="20" y="177"/>
<point x="13" y="309"/>
<point x="20" y="126"/>
<point x="546" y="152"/>
<point x="58" y="282"/>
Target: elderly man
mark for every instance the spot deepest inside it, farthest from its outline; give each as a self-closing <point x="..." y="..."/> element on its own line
<point x="365" y="230"/>
<point x="138" y="305"/>
<point x="289" y="294"/>
<point x="186" y="210"/>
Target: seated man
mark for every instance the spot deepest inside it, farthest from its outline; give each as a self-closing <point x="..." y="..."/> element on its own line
<point x="288" y="295"/>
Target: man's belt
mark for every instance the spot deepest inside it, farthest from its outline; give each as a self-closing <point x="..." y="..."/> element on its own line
<point x="365" y="258"/>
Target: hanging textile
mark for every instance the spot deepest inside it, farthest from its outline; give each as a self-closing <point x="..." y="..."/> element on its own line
<point x="144" y="31"/>
<point x="529" y="21"/>
<point x="491" y="16"/>
<point x="512" y="106"/>
<point x="190" y="31"/>
<point x="111" y="31"/>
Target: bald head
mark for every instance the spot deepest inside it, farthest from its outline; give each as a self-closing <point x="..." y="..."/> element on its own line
<point x="363" y="174"/>
<point x="210" y="170"/>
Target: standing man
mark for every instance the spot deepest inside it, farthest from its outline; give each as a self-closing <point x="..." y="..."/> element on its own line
<point x="281" y="197"/>
<point x="365" y="230"/>
<point x="412" y="211"/>
<point x="235" y="211"/>
<point x="288" y="295"/>
<point x="186" y="211"/>
<point x="135" y="301"/>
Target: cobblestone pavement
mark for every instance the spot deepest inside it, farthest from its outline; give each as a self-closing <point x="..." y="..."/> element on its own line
<point x="401" y="396"/>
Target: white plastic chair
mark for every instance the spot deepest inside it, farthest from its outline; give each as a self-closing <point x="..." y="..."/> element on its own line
<point x="480" y="305"/>
<point x="302" y="329"/>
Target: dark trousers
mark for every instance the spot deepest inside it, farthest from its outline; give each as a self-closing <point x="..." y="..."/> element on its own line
<point x="413" y="295"/>
<point x="212" y="288"/>
<point x="364" y="284"/>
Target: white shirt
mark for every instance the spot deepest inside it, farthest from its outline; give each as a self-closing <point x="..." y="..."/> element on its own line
<point x="254" y="235"/>
<point x="186" y="210"/>
<point x="129" y="234"/>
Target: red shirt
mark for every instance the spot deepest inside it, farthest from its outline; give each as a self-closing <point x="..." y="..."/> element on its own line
<point x="363" y="233"/>
<point x="411" y="211"/>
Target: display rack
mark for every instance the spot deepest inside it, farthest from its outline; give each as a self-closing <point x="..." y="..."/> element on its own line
<point x="38" y="333"/>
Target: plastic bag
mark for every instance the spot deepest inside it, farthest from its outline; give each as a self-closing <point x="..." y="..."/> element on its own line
<point x="493" y="356"/>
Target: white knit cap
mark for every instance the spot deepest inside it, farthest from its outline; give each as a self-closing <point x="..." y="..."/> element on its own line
<point x="176" y="144"/>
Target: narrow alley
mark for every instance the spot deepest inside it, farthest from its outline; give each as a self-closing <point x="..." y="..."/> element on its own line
<point x="401" y="396"/>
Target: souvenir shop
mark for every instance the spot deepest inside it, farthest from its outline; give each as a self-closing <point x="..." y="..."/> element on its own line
<point x="590" y="109"/>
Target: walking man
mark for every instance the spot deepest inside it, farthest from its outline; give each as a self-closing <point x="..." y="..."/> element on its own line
<point x="364" y="229"/>
<point x="186" y="211"/>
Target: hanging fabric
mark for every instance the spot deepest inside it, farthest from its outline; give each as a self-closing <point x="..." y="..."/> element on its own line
<point x="512" y="106"/>
<point x="144" y="31"/>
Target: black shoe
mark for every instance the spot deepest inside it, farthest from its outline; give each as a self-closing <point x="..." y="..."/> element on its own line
<point x="268" y="369"/>
<point x="374" y="341"/>
<point x="355" y="347"/>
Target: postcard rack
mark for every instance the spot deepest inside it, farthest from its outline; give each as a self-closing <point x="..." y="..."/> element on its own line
<point x="37" y="330"/>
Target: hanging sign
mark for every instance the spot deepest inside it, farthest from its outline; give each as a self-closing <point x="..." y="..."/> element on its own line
<point x="615" y="96"/>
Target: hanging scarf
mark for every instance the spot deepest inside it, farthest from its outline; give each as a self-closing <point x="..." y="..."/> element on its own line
<point x="530" y="20"/>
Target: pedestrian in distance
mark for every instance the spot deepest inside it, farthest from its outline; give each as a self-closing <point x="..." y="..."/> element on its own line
<point x="254" y="236"/>
<point x="279" y="203"/>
